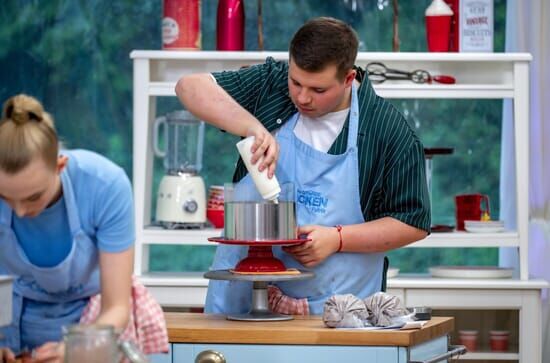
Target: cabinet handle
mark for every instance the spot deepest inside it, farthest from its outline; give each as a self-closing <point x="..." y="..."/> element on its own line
<point x="453" y="350"/>
<point x="210" y="356"/>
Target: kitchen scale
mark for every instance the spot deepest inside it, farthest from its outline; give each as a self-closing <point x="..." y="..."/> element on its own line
<point x="260" y="225"/>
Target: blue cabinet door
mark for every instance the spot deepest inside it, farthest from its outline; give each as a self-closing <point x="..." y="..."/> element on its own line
<point x="161" y="358"/>
<point x="247" y="353"/>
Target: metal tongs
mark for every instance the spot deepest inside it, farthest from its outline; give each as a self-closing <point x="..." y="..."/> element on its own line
<point x="378" y="73"/>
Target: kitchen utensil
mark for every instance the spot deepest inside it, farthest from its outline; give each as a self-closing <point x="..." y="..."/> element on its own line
<point x="181" y="197"/>
<point x="378" y="73"/>
<point x="470" y="207"/>
<point x="97" y="344"/>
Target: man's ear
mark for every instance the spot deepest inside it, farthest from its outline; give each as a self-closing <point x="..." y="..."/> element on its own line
<point x="61" y="163"/>
<point x="350" y="77"/>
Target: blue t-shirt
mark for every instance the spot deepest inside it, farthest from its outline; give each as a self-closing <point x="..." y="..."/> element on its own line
<point x="104" y="203"/>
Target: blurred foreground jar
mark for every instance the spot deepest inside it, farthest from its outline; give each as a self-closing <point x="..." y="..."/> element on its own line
<point x="230" y="25"/>
<point x="98" y="344"/>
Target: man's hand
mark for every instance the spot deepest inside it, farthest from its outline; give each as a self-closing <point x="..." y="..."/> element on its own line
<point x="264" y="146"/>
<point x="6" y="356"/>
<point x="324" y="242"/>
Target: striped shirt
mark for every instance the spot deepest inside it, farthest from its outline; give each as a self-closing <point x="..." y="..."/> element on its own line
<point x="392" y="179"/>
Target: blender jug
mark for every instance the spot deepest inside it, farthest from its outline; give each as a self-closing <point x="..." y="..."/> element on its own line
<point x="181" y="198"/>
<point x="184" y="136"/>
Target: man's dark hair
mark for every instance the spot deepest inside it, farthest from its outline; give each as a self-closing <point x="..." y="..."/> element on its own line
<point x="322" y="42"/>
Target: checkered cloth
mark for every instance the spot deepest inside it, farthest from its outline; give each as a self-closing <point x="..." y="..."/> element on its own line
<point x="146" y="327"/>
<point x="282" y="304"/>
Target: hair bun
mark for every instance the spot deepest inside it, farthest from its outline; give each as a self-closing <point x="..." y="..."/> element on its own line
<point x="22" y="108"/>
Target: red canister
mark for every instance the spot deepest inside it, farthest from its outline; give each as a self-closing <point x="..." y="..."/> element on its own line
<point x="498" y="340"/>
<point x="230" y="25"/>
<point x="181" y="24"/>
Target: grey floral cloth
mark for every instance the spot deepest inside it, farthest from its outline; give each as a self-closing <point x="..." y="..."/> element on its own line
<point x="348" y="311"/>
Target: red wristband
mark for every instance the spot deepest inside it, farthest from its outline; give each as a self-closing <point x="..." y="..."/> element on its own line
<point x="339" y="228"/>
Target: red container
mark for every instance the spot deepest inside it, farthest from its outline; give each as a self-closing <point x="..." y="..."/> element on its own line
<point x="499" y="340"/>
<point x="215" y="217"/>
<point x="438" y="31"/>
<point x="230" y="25"/>
<point x="181" y="24"/>
<point x="470" y="207"/>
<point x="468" y="338"/>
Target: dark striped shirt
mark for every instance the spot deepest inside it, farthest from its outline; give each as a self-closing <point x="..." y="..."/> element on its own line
<point x="392" y="179"/>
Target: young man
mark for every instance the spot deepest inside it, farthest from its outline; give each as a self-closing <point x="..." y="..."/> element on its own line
<point x="318" y="119"/>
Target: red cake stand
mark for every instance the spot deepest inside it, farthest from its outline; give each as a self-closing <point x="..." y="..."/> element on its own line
<point x="260" y="254"/>
<point x="260" y="267"/>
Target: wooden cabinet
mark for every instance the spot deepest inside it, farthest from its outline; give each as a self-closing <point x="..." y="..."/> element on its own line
<point x="297" y="341"/>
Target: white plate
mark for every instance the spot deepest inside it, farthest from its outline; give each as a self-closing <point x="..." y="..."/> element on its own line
<point x="471" y="272"/>
<point x="484" y="229"/>
<point x="392" y="272"/>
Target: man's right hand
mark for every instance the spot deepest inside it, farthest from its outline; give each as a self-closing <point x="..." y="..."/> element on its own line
<point x="264" y="145"/>
<point x="7" y="356"/>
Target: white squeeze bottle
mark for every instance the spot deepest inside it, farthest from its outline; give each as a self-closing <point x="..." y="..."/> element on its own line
<point x="269" y="189"/>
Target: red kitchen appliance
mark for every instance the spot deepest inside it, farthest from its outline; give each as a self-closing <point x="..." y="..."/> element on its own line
<point x="470" y="207"/>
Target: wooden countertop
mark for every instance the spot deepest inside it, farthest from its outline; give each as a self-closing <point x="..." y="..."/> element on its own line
<point x="213" y="328"/>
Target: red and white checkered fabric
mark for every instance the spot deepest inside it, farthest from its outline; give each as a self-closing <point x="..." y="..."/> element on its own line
<point x="282" y="304"/>
<point x="146" y="327"/>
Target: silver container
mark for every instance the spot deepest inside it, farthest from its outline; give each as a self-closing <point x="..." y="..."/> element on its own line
<point x="5" y="300"/>
<point x="260" y="221"/>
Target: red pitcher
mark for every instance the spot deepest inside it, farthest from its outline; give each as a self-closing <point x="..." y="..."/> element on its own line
<point x="470" y="207"/>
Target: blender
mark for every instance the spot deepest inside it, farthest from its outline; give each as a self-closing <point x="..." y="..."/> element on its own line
<point x="181" y="197"/>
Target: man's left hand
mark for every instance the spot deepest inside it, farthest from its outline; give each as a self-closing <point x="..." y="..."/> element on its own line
<point x="324" y="241"/>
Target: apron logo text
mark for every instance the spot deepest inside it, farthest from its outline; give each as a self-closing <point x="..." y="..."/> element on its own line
<point x="313" y="201"/>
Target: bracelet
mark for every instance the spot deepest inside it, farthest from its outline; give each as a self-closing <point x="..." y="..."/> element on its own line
<point x="339" y="228"/>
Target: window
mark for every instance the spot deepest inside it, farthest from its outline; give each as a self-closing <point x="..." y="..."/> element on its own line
<point x="74" y="56"/>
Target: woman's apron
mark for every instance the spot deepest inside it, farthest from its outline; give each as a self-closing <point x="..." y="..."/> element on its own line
<point x="327" y="194"/>
<point x="46" y="298"/>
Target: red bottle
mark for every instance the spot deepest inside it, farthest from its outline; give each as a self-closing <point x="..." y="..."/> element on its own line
<point x="230" y="25"/>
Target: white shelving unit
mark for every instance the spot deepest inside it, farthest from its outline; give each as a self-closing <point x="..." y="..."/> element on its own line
<point x="479" y="75"/>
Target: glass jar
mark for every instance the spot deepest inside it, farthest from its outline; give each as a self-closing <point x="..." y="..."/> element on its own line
<point x="97" y="344"/>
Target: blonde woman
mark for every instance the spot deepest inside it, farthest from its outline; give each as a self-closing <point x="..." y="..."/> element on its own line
<point x="66" y="233"/>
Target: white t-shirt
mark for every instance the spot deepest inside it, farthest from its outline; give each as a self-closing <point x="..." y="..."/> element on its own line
<point x="321" y="132"/>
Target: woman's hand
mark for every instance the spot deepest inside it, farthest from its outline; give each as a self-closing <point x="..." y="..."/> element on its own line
<point x="264" y="146"/>
<point x="324" y="242"/>
<point x="6" y="355"/>
<point x="51" y="352"/>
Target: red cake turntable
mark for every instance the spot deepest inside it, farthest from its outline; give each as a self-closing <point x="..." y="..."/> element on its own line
<point x="260" y="225"/>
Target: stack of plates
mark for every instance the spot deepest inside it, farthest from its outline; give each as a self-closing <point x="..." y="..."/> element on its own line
<point x="471" y="272"/>
<point x="484" y="226"/>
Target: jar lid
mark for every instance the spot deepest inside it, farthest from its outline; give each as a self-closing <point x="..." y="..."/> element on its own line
<point x="499" y="332"/>
<point x="468" y="332"/>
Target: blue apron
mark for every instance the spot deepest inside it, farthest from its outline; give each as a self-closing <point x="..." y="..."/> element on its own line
<point x="46" y="298"/>
<point x="327" y="193"/>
